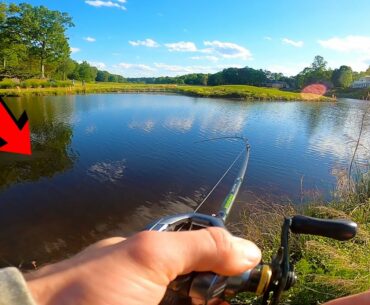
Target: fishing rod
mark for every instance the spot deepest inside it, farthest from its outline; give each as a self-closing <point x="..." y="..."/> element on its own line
<point x="268" y="280"/>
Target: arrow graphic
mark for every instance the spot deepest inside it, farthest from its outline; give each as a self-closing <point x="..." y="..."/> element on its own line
<point x="15" y="135"/>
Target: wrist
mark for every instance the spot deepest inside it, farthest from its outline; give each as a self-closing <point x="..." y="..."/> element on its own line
<point x="48" y="285"/>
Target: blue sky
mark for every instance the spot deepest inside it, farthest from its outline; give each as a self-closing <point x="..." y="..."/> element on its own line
<point x="174" y="37"/>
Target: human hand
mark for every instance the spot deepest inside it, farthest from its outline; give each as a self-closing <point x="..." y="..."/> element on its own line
<point x="358" y="299"/>
<point x="137" y="270"/>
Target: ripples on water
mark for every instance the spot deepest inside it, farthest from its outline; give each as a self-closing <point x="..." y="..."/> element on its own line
<point x="104" y="165"/>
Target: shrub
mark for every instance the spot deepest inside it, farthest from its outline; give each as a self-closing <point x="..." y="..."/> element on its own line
<point x="8" y="83"/>
<point x="34" y="83"/>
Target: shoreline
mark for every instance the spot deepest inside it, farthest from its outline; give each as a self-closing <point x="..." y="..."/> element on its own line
<point x="240" y="92"/>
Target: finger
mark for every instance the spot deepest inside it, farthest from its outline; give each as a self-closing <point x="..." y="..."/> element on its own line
<point x="175" y="253"/>
<point x="359" y="299"/>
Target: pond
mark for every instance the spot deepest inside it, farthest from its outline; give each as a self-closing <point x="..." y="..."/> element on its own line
<point x="105" y="165"/>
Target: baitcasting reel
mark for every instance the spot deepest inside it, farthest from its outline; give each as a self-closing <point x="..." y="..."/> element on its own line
<point x="267" y="280"/>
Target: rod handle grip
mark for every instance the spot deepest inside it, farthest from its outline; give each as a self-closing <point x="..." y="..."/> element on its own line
<point x="337" y="229"/>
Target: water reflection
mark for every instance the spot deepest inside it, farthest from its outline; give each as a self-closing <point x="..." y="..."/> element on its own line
<point x="109" y="164"/>
<point x="146" y="126"/>
<point x="179" y="124"/>
<point x="107" y="171"/>
<point x="90" y="129"/>
<point x="230" y="122"/>
<point x="334" y="130"/>
<point x="51" y="137"/>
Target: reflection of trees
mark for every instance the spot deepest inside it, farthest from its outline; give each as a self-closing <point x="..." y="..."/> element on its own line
<point x="324" y="117"/>
<point x="51" y="136"/>
<point x="334" y="129"/>
<point x="313" y="114"/>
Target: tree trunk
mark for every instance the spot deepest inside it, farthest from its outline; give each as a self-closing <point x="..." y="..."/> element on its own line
<point x="42" y="69"/>
<point x="4" y="63"/>
<point x="42" y="60"/>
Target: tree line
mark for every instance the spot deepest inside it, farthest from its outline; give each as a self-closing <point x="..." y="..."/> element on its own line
<point x="317" y="72"/>
<point x="34" y="44"/>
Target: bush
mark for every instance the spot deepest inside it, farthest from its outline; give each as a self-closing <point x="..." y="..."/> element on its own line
<point x="45" y="83"/>
<point x="63" y="84"/>
<point x="35" y="83"/>
<point x="8" y="83"/>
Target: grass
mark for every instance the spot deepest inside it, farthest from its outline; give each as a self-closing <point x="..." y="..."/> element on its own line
<point x="250" y="93"/>
<point x="361" y="94"/>
<point x="326" y="268"/>
<point x="8" y="83"/>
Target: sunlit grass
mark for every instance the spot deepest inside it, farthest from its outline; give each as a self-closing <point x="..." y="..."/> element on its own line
<point x="250" y="93"/>
<point x="326" y="268"/>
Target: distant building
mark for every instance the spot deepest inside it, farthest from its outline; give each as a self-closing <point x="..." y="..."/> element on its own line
<point x="363" y="82"/>
<point x="278" y="85"/>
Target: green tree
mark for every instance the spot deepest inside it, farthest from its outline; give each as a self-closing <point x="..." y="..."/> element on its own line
<point x="121" y="79"/>
<point x="102" y="76"/>
<point x="112" y="78"/>
<point x="319" y="63"/>
<point x="86" y="72"/>
<point x="342" y="77"/>
<point x="316" y="73"/>
<point x="216" y="79"/>
<point x="43" y="32"/>
<point x="13" y="51"/>
<point x="65" y="68"/>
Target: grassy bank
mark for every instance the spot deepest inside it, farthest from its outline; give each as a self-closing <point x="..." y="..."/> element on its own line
<point x="238" y="92"/>
<point x="360" y="94"/>
<point x="326" y="269"/>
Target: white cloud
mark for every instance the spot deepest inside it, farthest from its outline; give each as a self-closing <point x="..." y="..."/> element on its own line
<point x="136" y="67"/>
<point x="150" y="43"/>
<point x="172" y="68"/>
<point x="207" y="57"/>
<point x="182" y="46"/>
<point x="90" y="39"/>
<point x="227" y="50"/>
<point x="99" y="65"/>
<point x="100" y="3"/>
<point x="75" y="50"/>
<point x="351" y="43"/>
<point x="359" y="46"/>
<point x="358" y="63"/>
<point x="267" y="38"/>
<point x="297" y="44"/>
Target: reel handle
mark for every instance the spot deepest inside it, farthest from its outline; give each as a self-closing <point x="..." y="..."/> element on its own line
<point x="337" y="229"/>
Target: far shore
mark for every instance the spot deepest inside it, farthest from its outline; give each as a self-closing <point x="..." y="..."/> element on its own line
<point x="243" y="92"/>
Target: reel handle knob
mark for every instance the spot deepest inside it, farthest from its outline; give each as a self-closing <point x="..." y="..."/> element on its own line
<point x="336" y="229"/>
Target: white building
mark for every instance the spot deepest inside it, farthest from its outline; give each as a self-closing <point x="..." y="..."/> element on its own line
<point x="363" y="82"/>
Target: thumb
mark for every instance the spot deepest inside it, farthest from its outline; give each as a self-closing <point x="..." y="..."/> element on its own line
<point x="174" y="253"/>
<point x="358" y="299"/>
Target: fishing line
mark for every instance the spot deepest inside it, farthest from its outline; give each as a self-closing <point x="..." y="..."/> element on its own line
<point x="227" y="171"/>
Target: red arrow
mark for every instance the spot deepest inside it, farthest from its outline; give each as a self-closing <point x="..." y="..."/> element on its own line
<point x="15" y="135"/>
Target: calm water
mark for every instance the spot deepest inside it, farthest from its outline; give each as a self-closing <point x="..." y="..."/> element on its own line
<point x="104" y="165"/>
